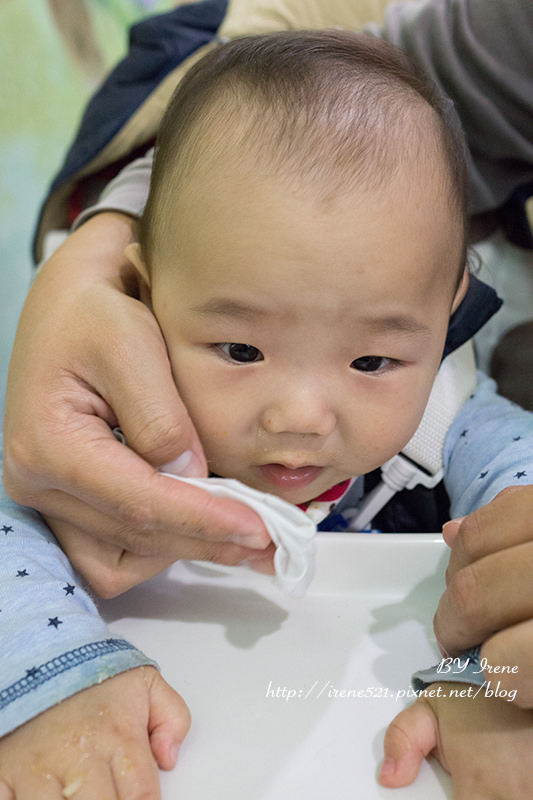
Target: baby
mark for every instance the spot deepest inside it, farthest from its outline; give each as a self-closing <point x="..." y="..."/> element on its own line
<point x="303" y="250"/>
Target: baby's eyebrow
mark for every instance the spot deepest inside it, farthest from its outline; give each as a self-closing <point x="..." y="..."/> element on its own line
<point x="227" y="307"/>
<point x="397" y="323"/>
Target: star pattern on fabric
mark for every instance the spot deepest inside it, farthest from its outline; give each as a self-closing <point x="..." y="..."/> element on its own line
<point x="7" y="529"/>
<point x="68" y="589"/>
<point x="22" y="573"/>
<point x="32" y="672"/>
<point x="518" y="475"/>
<point x="55" y="622"/>
<point x="463" y="434"/>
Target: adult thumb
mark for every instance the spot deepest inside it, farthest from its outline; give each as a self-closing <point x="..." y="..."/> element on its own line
<point x="147" y="405"/>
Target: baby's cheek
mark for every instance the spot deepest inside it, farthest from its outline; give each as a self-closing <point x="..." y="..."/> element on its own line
<point x="220" y="454"/>
<point x="391" y="434"/>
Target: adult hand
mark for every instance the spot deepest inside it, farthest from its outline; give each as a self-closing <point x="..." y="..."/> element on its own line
<point x="489" y="592"/>
<point x="88" y="355"/>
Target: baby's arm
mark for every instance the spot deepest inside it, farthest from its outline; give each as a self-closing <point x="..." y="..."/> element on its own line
<point x="104" y="742"/>
<point x="484" y="742"/>
<point x="76" y="702"/>
<point x="488" y="448"/>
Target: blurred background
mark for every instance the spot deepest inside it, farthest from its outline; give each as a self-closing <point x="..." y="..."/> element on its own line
<point x="53" y="55"/>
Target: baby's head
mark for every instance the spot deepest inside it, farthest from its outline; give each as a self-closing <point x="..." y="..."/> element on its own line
<point x="304" y="246"/>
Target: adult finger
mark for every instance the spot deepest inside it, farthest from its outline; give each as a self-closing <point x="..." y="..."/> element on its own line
<point x="505" y="522"/>
<point x="131" y="370"/>
<point x="111" y="569"/>
<point x="450" y="530"/>
<point x="111" y="478"/>
<point x="122" y="499"/>
<point x="512" y="648"/>
<point x="484" y="597"/>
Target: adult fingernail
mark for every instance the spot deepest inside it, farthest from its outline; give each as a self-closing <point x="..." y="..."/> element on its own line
<point x="255" y="539"/>
<point x="450" y="530"/>
<point x="442" y="650"/>
<point x="187" y="465"/>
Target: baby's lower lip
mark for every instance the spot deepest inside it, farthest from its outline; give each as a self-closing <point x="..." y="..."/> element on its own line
<point x="287" y="478"/>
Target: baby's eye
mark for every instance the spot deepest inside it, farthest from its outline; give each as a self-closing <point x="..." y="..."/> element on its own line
<point x="371" y="363"/>
<point x="243" y="353"/>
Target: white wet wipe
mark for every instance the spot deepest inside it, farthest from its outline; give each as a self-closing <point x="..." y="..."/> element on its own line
<point x="292" y="532"/>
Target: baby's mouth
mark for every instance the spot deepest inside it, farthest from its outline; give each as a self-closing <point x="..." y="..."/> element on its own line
<point x="290" y="478"/>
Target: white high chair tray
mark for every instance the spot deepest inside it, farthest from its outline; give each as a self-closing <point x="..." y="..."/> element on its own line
<point x="291" y="698"/>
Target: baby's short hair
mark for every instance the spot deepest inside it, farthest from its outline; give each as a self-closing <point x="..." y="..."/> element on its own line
<point x="330" y="110"/>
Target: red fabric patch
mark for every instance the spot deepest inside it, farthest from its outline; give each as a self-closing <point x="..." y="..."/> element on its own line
<point x="334" y="493"/>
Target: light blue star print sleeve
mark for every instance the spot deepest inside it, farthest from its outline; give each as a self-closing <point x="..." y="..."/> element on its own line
<point x="53" y="642"/>
<point x="489" y="446"/>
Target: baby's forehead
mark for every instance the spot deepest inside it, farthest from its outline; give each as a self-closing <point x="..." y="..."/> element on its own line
<point x="330" y="112"/>
<point x="330" y="153"/>
<point x="254" y="230"/>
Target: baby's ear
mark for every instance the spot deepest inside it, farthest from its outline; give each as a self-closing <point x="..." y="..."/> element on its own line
<point x="134" y="255"/>
<point x="461" y="291"/>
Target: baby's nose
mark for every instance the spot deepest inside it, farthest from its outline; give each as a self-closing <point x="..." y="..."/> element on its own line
<point x="299" y="413"/>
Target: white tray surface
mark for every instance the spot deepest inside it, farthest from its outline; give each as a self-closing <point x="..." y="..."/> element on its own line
<point x="259" y="670"/>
